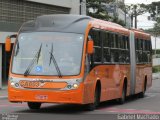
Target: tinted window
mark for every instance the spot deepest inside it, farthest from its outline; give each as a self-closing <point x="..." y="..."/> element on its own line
<point x="95" y="35"/>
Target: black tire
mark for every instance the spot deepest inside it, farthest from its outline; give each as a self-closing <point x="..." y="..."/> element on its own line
<point x="142" y="94"/>
<point x="93" y="106"/>
<point x="123" y="97"/>
<point x="34" y="105"/>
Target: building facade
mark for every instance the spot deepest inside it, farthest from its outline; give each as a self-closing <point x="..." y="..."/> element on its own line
<point x="114" y="10"/>
<point x="13" y="13"/>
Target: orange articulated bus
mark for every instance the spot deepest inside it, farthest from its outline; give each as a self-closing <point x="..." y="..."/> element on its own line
<point x="77" y="59"/>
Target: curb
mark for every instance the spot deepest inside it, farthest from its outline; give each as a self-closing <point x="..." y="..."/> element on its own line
<point x="3" y="97"/>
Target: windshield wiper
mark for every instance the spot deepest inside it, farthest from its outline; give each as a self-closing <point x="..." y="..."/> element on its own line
<point x="34" y="60"/>
<point x="17" y="49"/>
<point x="55" y="62"/>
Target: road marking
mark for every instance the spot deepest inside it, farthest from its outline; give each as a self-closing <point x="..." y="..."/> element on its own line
<point x="11" y="105"/>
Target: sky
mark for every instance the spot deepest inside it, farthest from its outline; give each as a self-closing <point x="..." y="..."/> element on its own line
<point x="143" y="22"/>
<point x="139" y="1"/>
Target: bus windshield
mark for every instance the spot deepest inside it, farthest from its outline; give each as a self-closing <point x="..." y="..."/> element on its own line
<point x="42" y="53"/>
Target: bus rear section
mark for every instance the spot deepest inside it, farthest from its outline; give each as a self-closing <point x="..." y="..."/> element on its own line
<point x="143" y="61"/>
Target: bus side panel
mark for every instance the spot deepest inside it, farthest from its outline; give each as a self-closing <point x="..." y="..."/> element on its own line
<point x="111" y="78"/>
<point x="148" y="74"/>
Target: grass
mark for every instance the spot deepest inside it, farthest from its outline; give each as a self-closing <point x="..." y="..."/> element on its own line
<point x="156" y="69"/>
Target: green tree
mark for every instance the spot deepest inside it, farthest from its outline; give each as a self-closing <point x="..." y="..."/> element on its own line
<point x="155" y="31"/>
<point x="96" y="10"/>
<point x="153" y="8"/>
<point x="134" y="11"/>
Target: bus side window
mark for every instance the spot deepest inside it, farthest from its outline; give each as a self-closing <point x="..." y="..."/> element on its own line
<point x="124" y="56"/>
<point x="97" y="56"/>
<point x="122" y="51"/>
<point x="127" y="50"/>
<point x="106" y="48"/>
<point x="150" y="51"/>
<point x="114" y="48"/>
<point x="138" y="51"/>
<point x="143" y="52"/>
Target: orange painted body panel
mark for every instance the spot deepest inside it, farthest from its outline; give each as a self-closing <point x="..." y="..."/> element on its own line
<point x="51" y="96"/>
<point x="141" y="72"/>
<point x="111" y="78"/>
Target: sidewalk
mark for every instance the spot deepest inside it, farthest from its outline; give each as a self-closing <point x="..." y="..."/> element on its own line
<point x="3" y="93"/>
<point x="155" y="76"/>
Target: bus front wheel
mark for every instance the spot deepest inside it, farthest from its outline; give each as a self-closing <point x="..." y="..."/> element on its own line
<point x="34" y="105"/>
<point x="92" y="106"/>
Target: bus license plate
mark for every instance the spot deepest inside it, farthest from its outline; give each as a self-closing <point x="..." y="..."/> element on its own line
<point x="41" y="97"/>
<point x="29" y="84"/>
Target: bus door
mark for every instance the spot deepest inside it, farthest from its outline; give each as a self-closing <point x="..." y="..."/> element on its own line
<point x="132" y="64"/>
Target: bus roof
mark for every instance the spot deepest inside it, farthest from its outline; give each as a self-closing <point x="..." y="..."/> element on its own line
<point x="109" y="26"/>
<point x="74" y="24"/>
<point x="58" y="23"/>
<point x="141" y="34"/>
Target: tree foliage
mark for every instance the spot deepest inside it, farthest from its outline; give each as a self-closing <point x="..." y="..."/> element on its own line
<point x="139" y="8"/>
<point x="134" y="11"/>
<point x="96" y="9"/>
<point x="151" y="8"/>
<point x="155" y="31"/>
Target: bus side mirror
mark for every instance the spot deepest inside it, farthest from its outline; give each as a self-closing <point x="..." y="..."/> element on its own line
<point x="8" y="44"/>
<point x="90" y="47"/>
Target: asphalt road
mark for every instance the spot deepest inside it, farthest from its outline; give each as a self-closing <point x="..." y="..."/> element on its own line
<point x="110" y="110"/>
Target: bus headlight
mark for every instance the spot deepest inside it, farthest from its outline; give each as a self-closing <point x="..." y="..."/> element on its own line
<point x="75" y="85"/>
<point x="12" y="83"/>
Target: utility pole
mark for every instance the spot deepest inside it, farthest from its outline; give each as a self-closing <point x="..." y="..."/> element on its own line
<point x="156" y="32"/>
<point x="131" y="20"/>
<point x="155" y="45"/>
<point x="135" y="14"/>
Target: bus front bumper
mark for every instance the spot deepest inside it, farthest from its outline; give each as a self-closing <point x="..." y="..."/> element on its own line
<point x="46" y="96"/>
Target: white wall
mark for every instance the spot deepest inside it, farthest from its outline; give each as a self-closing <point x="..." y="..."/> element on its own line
<point x="3" y="36"/>
<point x="62" y="3"/>
<point x="156" y="61"/>
<point x="121" y="14"/>
<point x="75" y="5"/>
<point x="157" y="42"/>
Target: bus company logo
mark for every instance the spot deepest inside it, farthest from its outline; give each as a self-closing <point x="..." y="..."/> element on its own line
<point x="41" y="97"/>
<point x="38" y="68"/>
